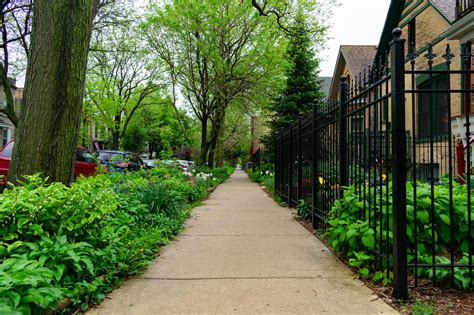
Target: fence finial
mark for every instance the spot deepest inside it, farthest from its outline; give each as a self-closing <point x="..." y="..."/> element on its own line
<point x="397" y="33"/>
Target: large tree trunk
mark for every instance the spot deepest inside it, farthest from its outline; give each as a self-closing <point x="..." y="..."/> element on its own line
<point x="220" y="144"/>
<point x="116" y="132"/>
<point x="204" y="144"/>
<point x="212" y="151"/>
<point x="49" y="124"/>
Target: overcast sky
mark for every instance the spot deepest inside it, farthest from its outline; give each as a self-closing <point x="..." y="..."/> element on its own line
<point x="355" y="22"/>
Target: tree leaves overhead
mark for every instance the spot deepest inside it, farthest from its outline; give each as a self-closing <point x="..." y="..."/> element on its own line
<point x="217" y="54"/>
<point x="121" y="76"/>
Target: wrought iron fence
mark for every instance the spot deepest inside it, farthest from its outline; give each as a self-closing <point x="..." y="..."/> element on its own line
<point x="398" y="139"/>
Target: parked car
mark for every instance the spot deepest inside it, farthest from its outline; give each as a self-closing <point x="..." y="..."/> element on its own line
<point x="85" y="164"/>
<point x="184" y="164"/>
<point x="149" y="163"/>
<point x="120" y="160"/>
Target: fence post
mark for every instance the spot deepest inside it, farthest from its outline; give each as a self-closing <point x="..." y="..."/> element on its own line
<point x="343" y="167"/>
<point x="300" y="169"/>
<point x="314" y="168"/>
<point x="290" y="166"/>
<point x="399" y="172"/>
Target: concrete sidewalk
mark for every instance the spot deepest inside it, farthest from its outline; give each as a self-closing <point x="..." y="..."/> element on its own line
<point x="242" y="253"/>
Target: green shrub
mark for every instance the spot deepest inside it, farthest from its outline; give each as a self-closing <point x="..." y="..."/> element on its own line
<point x="303" y="210"/>
<point x="264" y="175"/>
<point x="354" y="237"/>
<point x="79" y="242"/>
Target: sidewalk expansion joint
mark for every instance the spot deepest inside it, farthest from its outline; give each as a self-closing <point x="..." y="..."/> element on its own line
<point x="251" y="235"/>
<point x="234" y="278"/>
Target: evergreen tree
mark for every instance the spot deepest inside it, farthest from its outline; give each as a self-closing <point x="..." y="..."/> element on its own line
<point x="302" y="88"/>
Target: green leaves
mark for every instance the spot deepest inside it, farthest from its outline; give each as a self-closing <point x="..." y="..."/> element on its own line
<point x="431" y="221"/>
<point x="79" y="241"/>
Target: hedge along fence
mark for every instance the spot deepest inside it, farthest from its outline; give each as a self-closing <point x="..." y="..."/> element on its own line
<point x="392" y="126"/>
<point x="65" y="247"/>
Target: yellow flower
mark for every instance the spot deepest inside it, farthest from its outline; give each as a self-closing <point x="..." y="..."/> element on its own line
<point x="321" y="180"/>
<point x="384" y="177"/>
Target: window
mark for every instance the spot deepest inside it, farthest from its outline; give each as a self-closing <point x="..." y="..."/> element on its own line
<point x="426" y="171"/>
<point x="3" y="137"/>
<point x="84" y="156"/>
<point x="7" y="151"/>
<point x="412" y="35"/>
<point x="433" y="111"/>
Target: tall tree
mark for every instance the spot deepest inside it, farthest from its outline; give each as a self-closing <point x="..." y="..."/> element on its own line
<point x="158" y="127"/>
<point x="121" y="78"/>
<point x="218" y="52"/>
<point x="15" y="28"/>
<point x="302" y="86"/>
<point x="49" y="122"/>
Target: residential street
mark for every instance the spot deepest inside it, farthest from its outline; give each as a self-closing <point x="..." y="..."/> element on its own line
<point x="242" y="253"/>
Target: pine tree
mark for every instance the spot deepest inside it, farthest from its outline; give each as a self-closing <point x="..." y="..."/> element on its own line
<point x="303" y="88"/>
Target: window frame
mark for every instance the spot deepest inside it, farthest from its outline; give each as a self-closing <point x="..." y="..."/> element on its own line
<point x="435" y="108"/>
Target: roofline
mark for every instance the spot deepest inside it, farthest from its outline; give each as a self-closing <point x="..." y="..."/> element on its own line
<point x="441" y="12"/>
<point x="391" y="22"/>
<point x="335" y="69"/>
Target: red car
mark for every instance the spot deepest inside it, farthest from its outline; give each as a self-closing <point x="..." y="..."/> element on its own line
<point x="85" y="164"/>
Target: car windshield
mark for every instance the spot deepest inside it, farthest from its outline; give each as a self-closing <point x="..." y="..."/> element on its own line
<point x="111" y="156"/>
<point x="84" y="156"/>
<point x="7" y="151"/>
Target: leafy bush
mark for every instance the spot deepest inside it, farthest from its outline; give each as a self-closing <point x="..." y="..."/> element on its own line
<point x="354" y="237"/>
<point x="264" y="175"/>
<point x="303" y="210"/>
<point x="67" y="246"/>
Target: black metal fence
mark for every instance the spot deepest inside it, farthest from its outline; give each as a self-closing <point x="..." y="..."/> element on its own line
<point x="397" y="141"/>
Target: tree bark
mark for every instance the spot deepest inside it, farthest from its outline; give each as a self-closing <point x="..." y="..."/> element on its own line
<point x="204" y="144"/>
<point x="212" y="151"/>
<point x="50" y="118"/>
<point x="220" y="144"/>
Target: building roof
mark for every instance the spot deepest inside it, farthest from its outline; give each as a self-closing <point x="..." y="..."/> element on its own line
<point x="446" y="7"/>
<point x="325" y="84"/>
<point x="357" y="58"/>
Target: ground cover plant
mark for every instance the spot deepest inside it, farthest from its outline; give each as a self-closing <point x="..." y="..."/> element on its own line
<point x="348" y="233"/>
<point x="62" y="248"/>
<point x="263" y="174"/>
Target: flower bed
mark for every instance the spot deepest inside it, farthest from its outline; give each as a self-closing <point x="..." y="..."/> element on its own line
<point x="65" y="247"/>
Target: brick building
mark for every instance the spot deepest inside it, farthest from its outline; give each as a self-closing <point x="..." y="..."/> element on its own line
<point x="425" y="24"/>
